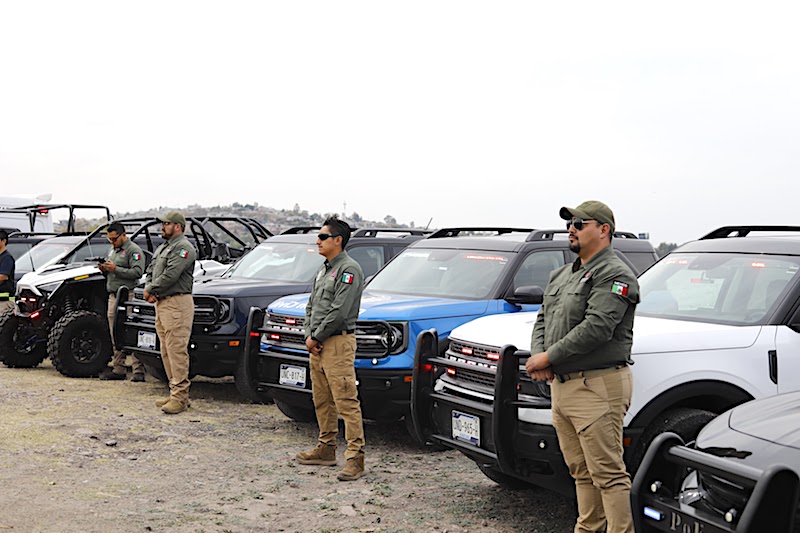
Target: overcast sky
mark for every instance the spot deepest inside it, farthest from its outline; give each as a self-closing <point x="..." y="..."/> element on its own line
<point x="682" y="116"/>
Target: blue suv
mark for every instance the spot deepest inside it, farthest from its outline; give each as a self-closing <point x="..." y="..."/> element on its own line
<point x="448" y="279"/>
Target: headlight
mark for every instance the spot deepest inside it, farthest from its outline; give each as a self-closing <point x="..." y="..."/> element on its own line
<point x="224" y="310"/>
<point x="393" y="337"/>
<point x="49" y="288"/>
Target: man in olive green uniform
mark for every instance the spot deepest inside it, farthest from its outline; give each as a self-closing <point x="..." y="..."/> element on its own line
<point x="123" y="267"/>
<point x="169" y="286"/>
<point x="582" y="343"/>
<point x="6" y="274"/>
<point x="330" y="323"/>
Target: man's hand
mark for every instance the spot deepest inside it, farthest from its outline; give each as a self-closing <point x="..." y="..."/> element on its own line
<point x="149" y="297"/>
<point x="108" y="266"/>
<point x="538" y="367"/>
<point x="314" y="347"/>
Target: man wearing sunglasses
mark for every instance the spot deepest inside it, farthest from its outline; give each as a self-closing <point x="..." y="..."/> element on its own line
<point x="581" y="343"/>
<point x="330" y="322"/>
<point x="169" y="285"/>
<point x="123" y="267"/>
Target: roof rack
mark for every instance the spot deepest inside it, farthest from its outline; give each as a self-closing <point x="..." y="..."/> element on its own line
<point x="42" y="209"/>
<point x="373" y="232"/>
<point x="743" y="231"/>
<point x="455" y="232"/>
<point x="34" y="234"/>
<point x="547" y="234"/>
<point x="300" y="230"/>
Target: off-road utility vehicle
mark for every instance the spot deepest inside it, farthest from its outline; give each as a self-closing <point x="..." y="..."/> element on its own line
<point x="61" y="307"/>
<point x="284" y="264"/>
<point x="441" y="282"/>
<point x="718" y="325"/>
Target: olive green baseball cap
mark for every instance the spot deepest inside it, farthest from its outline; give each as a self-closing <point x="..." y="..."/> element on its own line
<point x="174" y="216"/>
<point x="592" y="209"/>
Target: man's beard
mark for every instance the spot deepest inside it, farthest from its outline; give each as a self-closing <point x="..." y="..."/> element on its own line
<point x="575" y="247"/>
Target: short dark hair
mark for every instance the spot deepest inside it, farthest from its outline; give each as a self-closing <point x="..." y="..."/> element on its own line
<point x="116" y="227"/>
<point x="3" y="235"/>
<point x="340" y="227"/>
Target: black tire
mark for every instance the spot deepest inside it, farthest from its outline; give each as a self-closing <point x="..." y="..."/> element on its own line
<point x="300" y="414"/>
<point x="19" y="347"/>
<point x="246" y="380"/>
<point x="157" y="372"/>
<point x="504" y="480"/>
<point x="80" y="344"/>
<point x="685" y="421"/>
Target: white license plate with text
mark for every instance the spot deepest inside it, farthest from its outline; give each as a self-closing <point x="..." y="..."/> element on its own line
<point x="293" y="375"/>
<point x="467" y="428"/>
<point x="146" y="340"/>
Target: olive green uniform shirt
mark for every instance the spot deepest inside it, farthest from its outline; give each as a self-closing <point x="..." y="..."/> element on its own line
<point x="586" y="319"/>
<point x="335" y="298"/>
<point x="172" y="268"/>
<point x="129" y="260"/>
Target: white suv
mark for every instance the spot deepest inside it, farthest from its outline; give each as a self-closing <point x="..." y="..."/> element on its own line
<point x="719" y="324"/>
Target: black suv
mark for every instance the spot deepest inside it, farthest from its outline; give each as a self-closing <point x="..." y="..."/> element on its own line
<point x="284" y="264"/>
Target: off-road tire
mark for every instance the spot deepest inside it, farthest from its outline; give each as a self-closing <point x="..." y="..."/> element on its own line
<point x="80" y="344"/>
<point x="12" y="355"/>
<point x="246" y="380"/>
<point x="504" y="480"/>
<point x="157" y="372"/>
<point x="685" y="421"/>
<point x="300" y="414"/>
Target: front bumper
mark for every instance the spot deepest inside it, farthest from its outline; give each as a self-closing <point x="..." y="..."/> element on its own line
<point x="384" y="394"/>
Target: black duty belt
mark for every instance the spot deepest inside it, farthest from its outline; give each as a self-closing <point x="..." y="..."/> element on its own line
<point x="159" y="298"/>
<point x="343" y="332"/>
<point x="589" y="373"/>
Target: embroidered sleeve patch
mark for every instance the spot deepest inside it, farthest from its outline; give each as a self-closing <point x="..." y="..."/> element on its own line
<point x="619" y="288"/>
<point x="347" y="277"/>
<point x="185" y="253"/>
<point x="137" y="256"/>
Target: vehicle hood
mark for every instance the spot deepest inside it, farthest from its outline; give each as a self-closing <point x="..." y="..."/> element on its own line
<point x="759" y="433"/>
<point x="55" y="273"/>
<point x="650" y="335"/>
<point x="386" y="306"/>
<point x="512" y="328"/>
<point x="238" y="287"/>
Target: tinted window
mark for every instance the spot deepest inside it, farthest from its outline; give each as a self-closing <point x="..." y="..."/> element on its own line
<point x="16" y="249"/>
<point x="371" y="258"/>
<point x="536" y="268"/>
<point x="641" y="260"/>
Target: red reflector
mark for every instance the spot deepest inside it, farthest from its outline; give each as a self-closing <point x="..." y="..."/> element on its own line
<point x="427" y="367"/>
<point x="451" y="371"/>
<point x="35" y="314"/>
<point x="274" y="336"/>
<point x="466" y="350"/>
<point x="254" y="334"/>
<point x="757" y="264"/>
<point x="626" y="441"/>
<point x="291" y="321"/>
<point x="407" y="379"/>
<point x="491" y="356"/>
<point x="43" y="211"/>
<point x="233" y="343"/>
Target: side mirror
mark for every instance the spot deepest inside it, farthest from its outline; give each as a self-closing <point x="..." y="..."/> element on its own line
<point x="527" y="294"/>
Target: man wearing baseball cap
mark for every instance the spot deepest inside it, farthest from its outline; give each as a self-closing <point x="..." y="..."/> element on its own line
<point x="168" y="285"/>
<point x="582" y="344"/>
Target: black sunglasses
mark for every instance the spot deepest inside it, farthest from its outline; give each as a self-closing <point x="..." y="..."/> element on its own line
<point x="326" y="236"/>
<point x="578" y="223"/>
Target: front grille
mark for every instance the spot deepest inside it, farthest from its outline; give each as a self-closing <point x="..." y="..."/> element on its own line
<point x="207" y="309"/>
<point x="477" y="352"/>
<point x="285" y="331"/>
<point x="487" y="380"/>
<point x="722" y="495"/>
<point x="28" y="301"/>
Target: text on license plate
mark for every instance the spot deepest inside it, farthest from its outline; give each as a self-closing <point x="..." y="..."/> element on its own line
<point x="293" y="375"/>
<point x="467" y="428"/>
<point x="146" y="340"/>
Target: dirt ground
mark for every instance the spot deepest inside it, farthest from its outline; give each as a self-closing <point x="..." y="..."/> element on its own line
<point x="91" y="455"/>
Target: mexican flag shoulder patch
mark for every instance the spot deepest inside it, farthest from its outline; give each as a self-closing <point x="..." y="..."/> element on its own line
<point x="184" y="253"/>
<point x="136" y="256"/>
<point x="619" y="288"/>
<point x="347" y="277"/>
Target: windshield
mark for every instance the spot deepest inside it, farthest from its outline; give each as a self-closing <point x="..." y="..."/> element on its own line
<point x="442" y="273"/>
<point x="735" y="289"/>
<point x="50" y="251"/>
<point x="278" y="262"/>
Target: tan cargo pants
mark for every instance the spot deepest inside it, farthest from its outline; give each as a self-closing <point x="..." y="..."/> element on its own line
<point x="5" y="305"/>
<point x="118" y="358"/>
<point x="587" y="415"/>
<point x="333" y="384"/>
<point x="174" y="317"/>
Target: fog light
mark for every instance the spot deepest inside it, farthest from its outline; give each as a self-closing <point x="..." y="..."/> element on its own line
<point x="374" y="361"/>
<point x="655" y="486"/>
<point x="730" y="516"/>
<point x="542" y="445"/>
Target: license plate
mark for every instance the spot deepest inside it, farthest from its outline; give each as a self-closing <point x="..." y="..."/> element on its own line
<point x="293" y="375"/>
<point x="467" y="428"/>
<point x="146" y="340"/>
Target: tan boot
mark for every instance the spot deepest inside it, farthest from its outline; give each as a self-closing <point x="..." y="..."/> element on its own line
<point x="353" y="470"/>
<point x="162" y="402"/>
<point x="173" y="407"/>
<point x="321" y="455"/>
